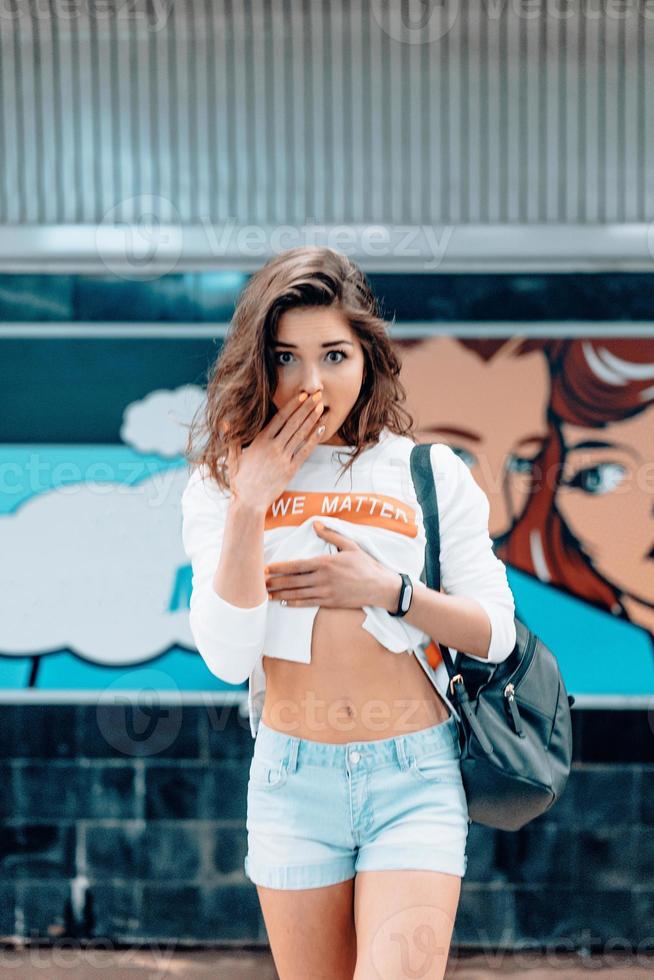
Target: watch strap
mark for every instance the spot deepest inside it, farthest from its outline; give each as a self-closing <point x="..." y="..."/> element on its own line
<point x="406" y="596"/>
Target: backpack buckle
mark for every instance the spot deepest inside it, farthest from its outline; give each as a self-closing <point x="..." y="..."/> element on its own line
<point x="456" y="679"/>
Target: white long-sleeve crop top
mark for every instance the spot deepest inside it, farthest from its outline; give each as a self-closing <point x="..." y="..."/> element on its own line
<point x="374" y="503"/>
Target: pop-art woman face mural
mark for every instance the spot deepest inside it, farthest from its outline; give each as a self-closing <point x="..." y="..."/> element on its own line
<point x="603" y="398"/>
<point x="487" y="399"/>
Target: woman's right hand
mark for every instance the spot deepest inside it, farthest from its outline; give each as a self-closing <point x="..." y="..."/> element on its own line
<point x="262" y="471"/>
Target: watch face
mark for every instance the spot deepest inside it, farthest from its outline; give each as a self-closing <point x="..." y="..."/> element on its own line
<point x="406" y="596"/>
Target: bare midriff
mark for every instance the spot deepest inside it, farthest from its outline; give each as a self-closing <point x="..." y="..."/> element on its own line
<point x="353" y="690"/>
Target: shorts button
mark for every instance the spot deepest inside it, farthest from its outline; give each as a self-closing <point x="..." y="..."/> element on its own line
<point x="355" y="756"/>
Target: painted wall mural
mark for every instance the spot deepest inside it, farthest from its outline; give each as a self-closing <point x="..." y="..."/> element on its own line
<point x="560" y="435"/>
<point x="94" y="581"/>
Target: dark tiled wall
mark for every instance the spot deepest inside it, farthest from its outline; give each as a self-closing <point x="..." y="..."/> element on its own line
<point x="112" y="833"/>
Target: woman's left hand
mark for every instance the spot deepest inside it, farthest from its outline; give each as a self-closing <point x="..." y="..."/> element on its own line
<point x="349" y="579"/>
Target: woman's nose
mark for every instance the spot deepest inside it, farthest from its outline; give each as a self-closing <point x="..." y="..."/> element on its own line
<point x="312" y="389"/>
<point x="311" y="383"/>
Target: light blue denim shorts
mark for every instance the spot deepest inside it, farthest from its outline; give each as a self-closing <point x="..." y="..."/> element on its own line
<point x="319" y="812"/>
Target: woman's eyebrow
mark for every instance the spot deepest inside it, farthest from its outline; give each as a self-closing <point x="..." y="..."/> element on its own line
<point x="602" y="444"/>
<point x="592" y="444"/>
<point x="537" y="437"/>
<point x="330" y="343"/>
<point x="455" y="431"/>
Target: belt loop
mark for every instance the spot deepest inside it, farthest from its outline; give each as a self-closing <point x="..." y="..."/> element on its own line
<point x="293" y="745"/>
<point x="400" y="751"/>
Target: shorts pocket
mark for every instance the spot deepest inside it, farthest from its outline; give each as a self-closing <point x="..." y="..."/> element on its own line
<point x="267" y="775"/>
<point x="436" y="768"/>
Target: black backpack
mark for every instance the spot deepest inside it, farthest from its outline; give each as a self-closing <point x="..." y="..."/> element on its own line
<point x="515" y="728"/>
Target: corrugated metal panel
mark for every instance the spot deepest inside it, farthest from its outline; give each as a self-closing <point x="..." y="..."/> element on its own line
<point x="329" y="112"/>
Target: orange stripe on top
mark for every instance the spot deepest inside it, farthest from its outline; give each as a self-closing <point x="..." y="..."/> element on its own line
<point x="433" y="655"/>
<point x="372" y="509"/>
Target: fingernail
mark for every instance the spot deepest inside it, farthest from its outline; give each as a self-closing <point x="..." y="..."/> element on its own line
<point x="316" y="395"/>
<point x="266" y="570"/>
<point x="319" y="525"/>
<point x="303" y="397"/>
<point x="320" y="429"/>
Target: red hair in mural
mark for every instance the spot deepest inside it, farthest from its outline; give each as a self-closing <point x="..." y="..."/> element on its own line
<point x="487" y="347"/>
<point x="595" y="382"/>
<point x="501" y="410"/>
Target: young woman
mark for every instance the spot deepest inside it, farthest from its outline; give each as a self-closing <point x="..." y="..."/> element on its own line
<point x="307" y="545"/>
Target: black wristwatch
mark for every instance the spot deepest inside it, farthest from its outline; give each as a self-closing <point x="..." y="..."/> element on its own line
<point x="406" y="595"/>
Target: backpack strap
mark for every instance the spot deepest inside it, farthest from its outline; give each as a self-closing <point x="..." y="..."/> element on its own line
<point x="423" y="479"/>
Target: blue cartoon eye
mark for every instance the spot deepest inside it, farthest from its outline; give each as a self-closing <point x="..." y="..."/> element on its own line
<point x="468" y="458"/>
<point x="520" y="464"/>
<point x="600" y="479"/>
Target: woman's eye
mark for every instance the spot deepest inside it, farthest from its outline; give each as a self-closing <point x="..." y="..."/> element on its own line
<point x="600" y="479"/>
<point x="520" y="464"/>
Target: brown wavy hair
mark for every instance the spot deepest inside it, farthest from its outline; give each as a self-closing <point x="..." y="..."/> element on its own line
<point x="243" y="377"/>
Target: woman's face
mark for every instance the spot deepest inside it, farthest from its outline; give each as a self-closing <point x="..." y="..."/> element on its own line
<point x="605" y="498"/>
<point x="317" y="350"/>
<point x="493" y="414"/>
